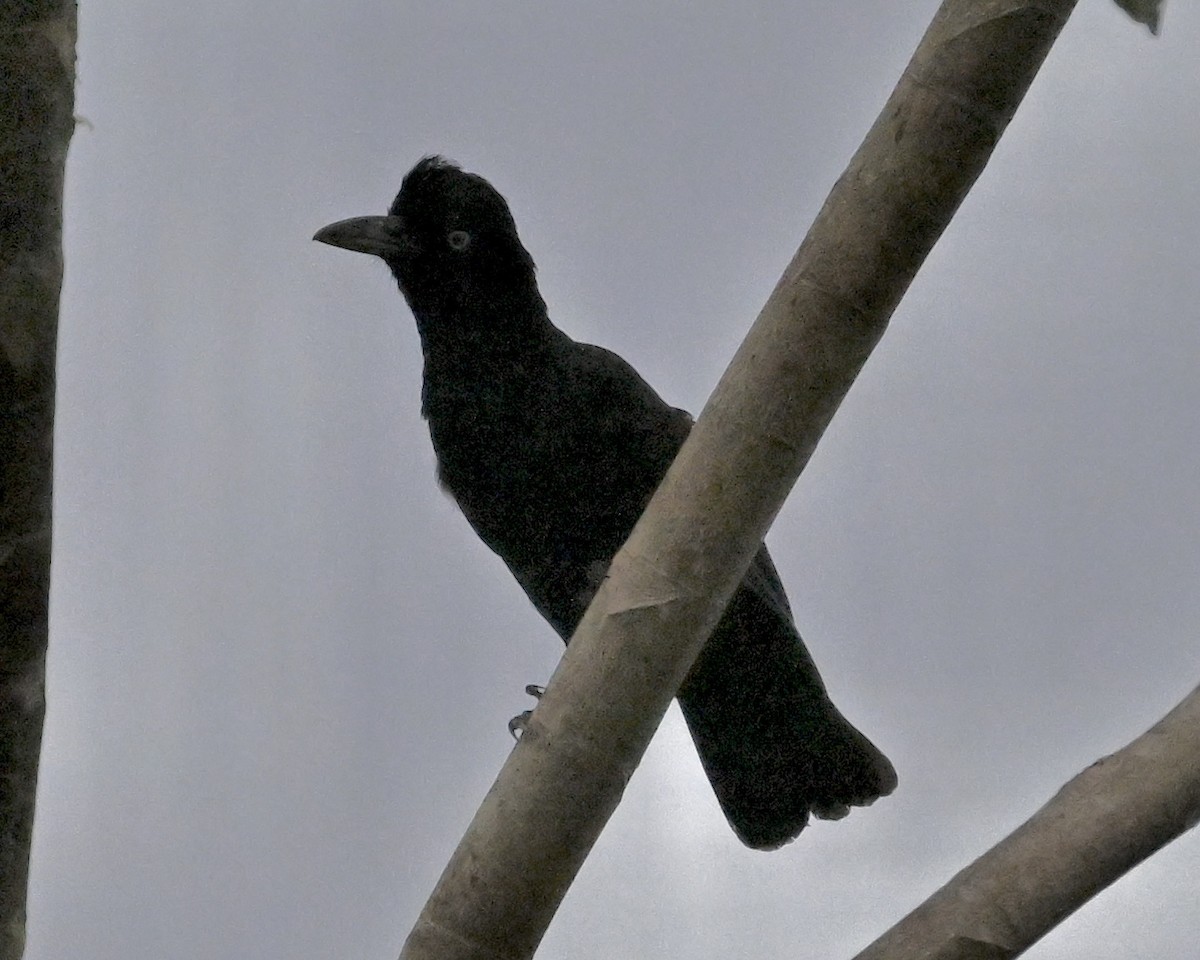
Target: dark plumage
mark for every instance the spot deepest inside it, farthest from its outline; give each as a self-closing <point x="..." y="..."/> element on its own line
<point x="552" y="449"/>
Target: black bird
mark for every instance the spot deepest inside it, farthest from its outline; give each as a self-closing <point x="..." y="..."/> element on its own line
<point x="552" y="448"/>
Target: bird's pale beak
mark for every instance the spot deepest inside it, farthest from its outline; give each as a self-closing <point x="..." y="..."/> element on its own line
<point x="379" y="236"/>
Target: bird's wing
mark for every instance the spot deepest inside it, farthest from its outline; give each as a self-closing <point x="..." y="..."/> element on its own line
<point x="762" y="580"/>
<point x="630" y="405"/>
<point x="651" y="431"/>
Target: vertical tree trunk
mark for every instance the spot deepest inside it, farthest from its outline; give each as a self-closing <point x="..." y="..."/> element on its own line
<point x="37" y="78"/>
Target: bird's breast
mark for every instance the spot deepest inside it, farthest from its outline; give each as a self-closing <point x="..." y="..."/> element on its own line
<point x="528" y="474"/>
<point x="495" y="451"/>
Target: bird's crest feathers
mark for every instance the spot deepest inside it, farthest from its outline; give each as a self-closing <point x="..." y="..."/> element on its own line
<point x="438" y="193"/>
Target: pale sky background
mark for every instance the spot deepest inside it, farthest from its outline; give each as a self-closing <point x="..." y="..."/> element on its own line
<point x="281" y="663"/>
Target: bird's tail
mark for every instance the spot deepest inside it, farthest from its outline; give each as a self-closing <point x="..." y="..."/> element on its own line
<point x="773" y="745"/>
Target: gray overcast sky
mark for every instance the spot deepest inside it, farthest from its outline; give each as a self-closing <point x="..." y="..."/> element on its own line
<point x="281" y="663"/>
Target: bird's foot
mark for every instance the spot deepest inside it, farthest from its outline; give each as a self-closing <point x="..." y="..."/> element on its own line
<point x="516" y="726"/>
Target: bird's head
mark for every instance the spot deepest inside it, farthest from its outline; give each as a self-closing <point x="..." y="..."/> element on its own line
<point x="452" y="245"/>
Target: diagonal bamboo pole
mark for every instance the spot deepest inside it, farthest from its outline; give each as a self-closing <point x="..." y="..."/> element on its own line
<point x="1104" y="822"/>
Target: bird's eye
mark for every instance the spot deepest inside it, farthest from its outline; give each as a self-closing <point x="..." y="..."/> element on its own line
<point x="458" y="239"/>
